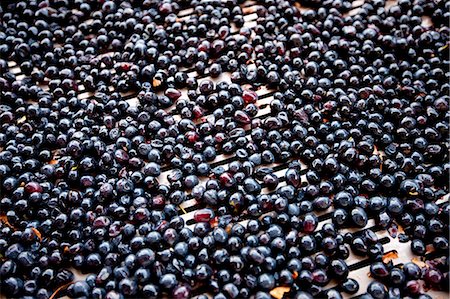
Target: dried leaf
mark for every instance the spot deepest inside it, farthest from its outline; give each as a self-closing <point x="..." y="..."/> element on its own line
<point x="214" y="222"/>
<point x="249" y="10"/>
<point x="419" y="263"/>
<point x="375" y="150"/>
<point x="38" y="233"/>
<point x="156" y="82"/>
<point x="299" y="6"/>
<point x="228" y="228"/>
<point x="4" y="219"/>
<point x="390" y="256"/>
<point x="295" y="275"/>
<point x="64" y="286"/>
<point x="278" y="292"/>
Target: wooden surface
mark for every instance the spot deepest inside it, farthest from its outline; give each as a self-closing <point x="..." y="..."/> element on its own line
<point x="359" y="265"/>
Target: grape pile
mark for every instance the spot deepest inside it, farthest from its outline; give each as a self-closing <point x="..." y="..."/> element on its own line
<point x="297" y="136"/>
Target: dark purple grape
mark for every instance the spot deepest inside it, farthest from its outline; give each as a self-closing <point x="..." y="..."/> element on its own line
<point x="350" y="286"/>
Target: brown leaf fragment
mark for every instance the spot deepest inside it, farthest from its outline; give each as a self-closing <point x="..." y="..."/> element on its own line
<point x="375" y="150"/>
<point x="278" y="292"/>
<point x="214" y="222"/>
<point x="249" y="10"/>
<point x="387" y="257"/>
<point x="300" y="7"/>
<point x="38" y="233"/>
<point x="156" y="82"/>
<point x="4" y="219"/>
<point x="419" y="263"/>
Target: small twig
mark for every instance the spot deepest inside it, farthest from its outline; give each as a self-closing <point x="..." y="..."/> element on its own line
<point x="59" y="289"/>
